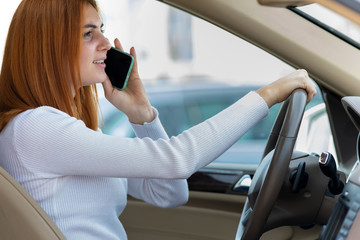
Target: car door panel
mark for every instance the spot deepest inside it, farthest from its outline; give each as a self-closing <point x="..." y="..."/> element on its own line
<point x="205" y="216"/>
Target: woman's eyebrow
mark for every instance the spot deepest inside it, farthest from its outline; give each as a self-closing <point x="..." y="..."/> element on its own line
<point x="89" y="25"/>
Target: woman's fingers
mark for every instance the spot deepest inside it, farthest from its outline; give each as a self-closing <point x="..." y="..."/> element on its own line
<point x="118" y="44"/>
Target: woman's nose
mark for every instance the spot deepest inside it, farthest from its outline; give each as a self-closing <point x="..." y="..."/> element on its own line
<point x="105" y="44"/>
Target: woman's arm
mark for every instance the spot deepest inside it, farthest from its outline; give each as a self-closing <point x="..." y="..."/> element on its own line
<point x="52" y="143"/>
<point x="160" y="192"/>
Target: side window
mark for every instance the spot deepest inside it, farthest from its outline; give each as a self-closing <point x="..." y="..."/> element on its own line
<point x="192" y="69"/>
<point x="6" y="14"/>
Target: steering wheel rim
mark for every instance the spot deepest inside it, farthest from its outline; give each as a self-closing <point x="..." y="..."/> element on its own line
<point x="268" y="179"/>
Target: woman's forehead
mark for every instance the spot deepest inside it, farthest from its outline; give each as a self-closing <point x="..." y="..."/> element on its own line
<point x="91" y="16"/>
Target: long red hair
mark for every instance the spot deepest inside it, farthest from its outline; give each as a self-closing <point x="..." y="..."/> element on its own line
<point x="41" y="63"/>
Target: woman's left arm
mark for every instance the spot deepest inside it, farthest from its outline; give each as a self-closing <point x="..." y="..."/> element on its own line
<point x="164" y="193"/>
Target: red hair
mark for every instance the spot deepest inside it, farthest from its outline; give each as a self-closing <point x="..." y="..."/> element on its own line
<point x="41" y="63"/>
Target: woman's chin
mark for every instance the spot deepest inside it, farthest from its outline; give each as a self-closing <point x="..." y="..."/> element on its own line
<point x="99" y="79"/>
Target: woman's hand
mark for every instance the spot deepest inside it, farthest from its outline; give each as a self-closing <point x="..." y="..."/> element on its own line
<point x="132" y="100"/>
<point x="281" y="89"/>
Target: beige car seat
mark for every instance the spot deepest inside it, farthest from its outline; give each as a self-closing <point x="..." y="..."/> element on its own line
<point x="21" y="217"/>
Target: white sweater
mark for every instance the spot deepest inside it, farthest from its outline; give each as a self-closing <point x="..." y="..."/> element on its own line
<point x="81" y="177"/>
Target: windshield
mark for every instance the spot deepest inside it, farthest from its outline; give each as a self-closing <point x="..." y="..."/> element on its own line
<point x="334" y="23"/>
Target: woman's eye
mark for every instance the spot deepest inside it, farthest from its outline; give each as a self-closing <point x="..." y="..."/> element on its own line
<point x="88" y="34"/>
<point x="102" y="28"/>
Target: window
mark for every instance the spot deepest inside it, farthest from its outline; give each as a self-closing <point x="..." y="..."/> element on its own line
<point x="191" y="70"/>
<point x="6" y="14"/>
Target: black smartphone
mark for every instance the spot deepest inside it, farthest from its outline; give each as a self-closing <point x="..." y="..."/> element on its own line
<point x="118" y="67"/>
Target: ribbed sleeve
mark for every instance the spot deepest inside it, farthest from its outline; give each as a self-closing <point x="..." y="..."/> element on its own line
<point x="51" y="142"/>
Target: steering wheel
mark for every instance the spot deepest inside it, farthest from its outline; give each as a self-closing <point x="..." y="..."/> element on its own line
<point x="270" y="174"/>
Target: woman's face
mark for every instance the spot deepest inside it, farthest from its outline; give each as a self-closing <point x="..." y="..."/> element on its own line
<point x="94" y="48"/>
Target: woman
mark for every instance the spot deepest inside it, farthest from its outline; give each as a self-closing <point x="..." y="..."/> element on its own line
<point x="49" y="139"/>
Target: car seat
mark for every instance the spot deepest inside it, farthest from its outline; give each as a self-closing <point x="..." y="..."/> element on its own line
<point x="21" y="217"/>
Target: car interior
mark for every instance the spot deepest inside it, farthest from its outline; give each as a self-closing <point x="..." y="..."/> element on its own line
<point x="291" y="194"/>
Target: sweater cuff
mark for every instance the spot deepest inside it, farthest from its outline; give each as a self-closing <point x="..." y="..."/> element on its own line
<point x="260" y="99"/>
<point x="153" y="129"/>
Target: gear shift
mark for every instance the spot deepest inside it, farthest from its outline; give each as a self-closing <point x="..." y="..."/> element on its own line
<point x="328" y="167"/>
